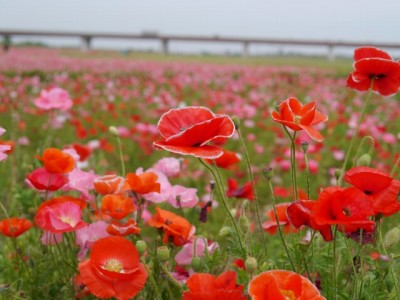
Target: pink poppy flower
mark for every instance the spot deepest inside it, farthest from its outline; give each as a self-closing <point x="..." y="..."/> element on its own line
<point x="55" y="98"/>
<point x="3" y="148"/>
<point x="184" y="257"/>
<point x="188" y="196"/>
<point x="86" y="236"/>
<point x="170" y="166"/>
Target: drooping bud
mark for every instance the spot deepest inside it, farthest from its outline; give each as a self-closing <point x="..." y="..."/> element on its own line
<point x="364" y="160"/>
<point x="196" y="263"/>
<point x="141" y="246"/>
<point x="304" y="146"/>
<point x="226" y="231"/>
<point x="236" y="121"/>
<point x="244" y="224"/>
<point x="250" y="264"/>
<point x="338" y="173"/>
<point x="163" y="253"/>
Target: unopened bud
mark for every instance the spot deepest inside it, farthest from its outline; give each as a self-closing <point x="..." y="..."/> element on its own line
<point x="250" y="264"/>
<point x="163" y="253"/>
<point x="268" y="173"/>
<point x="304" y="146"/>
<point x="226" y="231"/>
<point x="338" y="173"/>
<point x="392" y="237"/>
<point x="236" y="121"/>
<point x="244" y="224"/>
<point x="196" y="263"/>
<point x="212" y="185"/>
<point x="113" y="130"/>
<point x="364" y="160"/>
<point x="141" y="246"/>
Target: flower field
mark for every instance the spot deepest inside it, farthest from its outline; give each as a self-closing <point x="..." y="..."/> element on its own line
<point x="137" y="179"/>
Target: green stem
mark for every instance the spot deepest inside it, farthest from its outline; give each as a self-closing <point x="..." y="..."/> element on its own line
<point x="293" y="162"/>
<point x="121" y="156"/>
<point x="219" y="184"/>
<point x="307" y="175"/>
<point x="334" y="264"/>
<point x="246" y="156"/>
<point x="153" y="281"/>
<point x="393" y="171"/>
<point x="390" y="263"/>
<point x="279" y="226"/>
<point x="171" y="278"/>
<point x="353" y="267"/>
<point x="351" y="145"/>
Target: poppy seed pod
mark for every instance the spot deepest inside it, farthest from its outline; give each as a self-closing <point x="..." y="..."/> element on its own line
<point x="163" y="253"/>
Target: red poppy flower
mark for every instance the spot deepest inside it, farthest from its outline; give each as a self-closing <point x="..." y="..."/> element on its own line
<point x="189" y="130"/>
<point x="203" y="286"/>
<point x="374" y="64"/>
<point x="117" y="206"/>
<point x="299" y="214"/>
<point x="142" y="184"/>
<point x="298" y="117"/>
<point x="113" y="269"/>
<point x="57" y="161"/>
<point x="282" y="285"/>
<point x="378" y="186"/>
<point x="109" y="184"/>
<point x="14" y="227"/>
<point x="349" y="208"/>
<point x="227" y="159"/>
<point x="43" y="180"/>
<point x="123" y="229"/>
<point x="83" y="151"/>
<point x="175" y="227"/>
<point x="272" y="226"/>
<point x="234" y="191"/>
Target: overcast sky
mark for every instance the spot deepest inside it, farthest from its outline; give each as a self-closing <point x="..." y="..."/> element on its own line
<point x="351" y="20"/>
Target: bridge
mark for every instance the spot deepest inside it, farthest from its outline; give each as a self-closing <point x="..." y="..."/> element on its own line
<point x="165" y="40"/>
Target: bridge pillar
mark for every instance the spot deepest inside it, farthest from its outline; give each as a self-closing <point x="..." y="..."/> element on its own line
<point x="331" y="54"/>
<point x="245" y="51"/>
<point x="6" y="42"/>
<point x="164" y="46"/>
<point x="86" y="41"/>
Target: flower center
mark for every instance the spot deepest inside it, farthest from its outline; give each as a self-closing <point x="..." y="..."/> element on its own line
<point x="377" y="76"/>
<point x="346" y="211"/>
<point x="113" y="265"/>
<point x="297" y="119"/>
<point x="68" y="220"/>
<point x="288" y="294"/>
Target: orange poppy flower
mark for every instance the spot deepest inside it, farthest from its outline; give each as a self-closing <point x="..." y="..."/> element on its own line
<point x="117" y="206"/>
<point x="282" y="285"/>
<point x="203" y="286"/>
<point x="113" y="269"/>
<point x="374" y="64"/>
<point x="175" y="227"/>
<point x="14" y="227"/>
<point x="190" y="130"/>
<point x="57" y="161"/>
<point x="227" y="159"/>
<point x="142" y="184"/>
<point x="298" y="117"/>
<point x="109" y="184"/>
<point x="123" y="229"/>
<point x="272" y="226"/>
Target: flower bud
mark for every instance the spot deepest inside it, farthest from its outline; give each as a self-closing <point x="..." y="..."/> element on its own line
<point x="304" y="146"/>
<point x="244" y="224"/>
<point x="113" y="130"/>
<point x="236" y="121"/>
<point x="392" y="237"/>
<point x="364" y="160"/>
<point x="163" y="253"/>
<point x="226" y="231"/>
<point x="196" y="263"/>
<point x="141" y="246"/>
<point x="250" y="264"/>
<point x="268" y="173"/>
<point x="338" y="173"/>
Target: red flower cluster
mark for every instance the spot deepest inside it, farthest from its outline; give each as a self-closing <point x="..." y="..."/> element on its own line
<point x="374" y="69"/>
